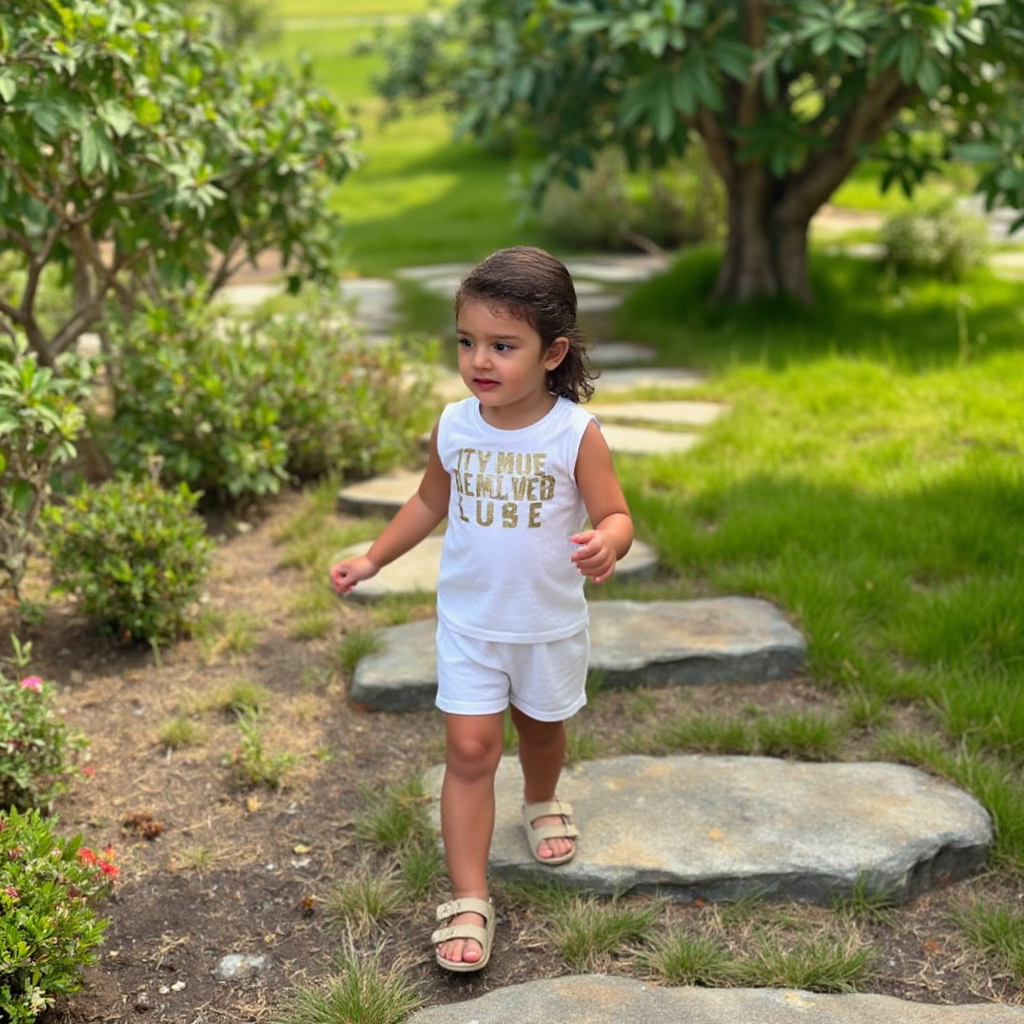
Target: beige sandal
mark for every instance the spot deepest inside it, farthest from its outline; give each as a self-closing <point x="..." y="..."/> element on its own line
<point x="484" y="935"/>
<point x="565" y="830"/>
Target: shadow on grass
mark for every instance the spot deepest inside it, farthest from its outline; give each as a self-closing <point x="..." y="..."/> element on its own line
<point x="860" y="311"/>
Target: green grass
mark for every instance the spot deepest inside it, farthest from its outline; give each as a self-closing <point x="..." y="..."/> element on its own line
<point x="361" y="990"/>
<point x="869" y="480"/>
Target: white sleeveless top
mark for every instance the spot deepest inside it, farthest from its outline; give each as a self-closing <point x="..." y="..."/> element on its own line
<point x="506" y="573"/>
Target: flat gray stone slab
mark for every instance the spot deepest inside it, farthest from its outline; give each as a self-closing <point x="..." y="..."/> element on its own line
<point x="381" y="495"/>
<point x="619" y="269"/>
<point x="600" y="999"/>
<point x="616" y="353"/>
<point x="646" y="440"/>
<point x="729" y="828"/>
<point x="632" y="643"/>
<point x="417" y="570"/>
<point x="687" y="414"/>
<point x="616" y="380"/>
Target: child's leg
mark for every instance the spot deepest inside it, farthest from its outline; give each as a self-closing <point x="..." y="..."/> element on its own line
<point x="474" y="748"/>
<point x="541" y="755"/>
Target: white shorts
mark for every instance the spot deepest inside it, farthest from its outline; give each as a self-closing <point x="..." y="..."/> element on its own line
<point x="546" y="681"/>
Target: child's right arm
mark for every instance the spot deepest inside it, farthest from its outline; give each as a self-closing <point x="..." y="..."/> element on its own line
<point x="413" y="522"/>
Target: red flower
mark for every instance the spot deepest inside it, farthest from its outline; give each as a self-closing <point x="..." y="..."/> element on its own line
<point x="86" y="855"/>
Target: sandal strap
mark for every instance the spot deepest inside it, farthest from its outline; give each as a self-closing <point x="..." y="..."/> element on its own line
<point x="547" y="807"/>
<point x="466" y="905"/>
<point x="562" y="831"/>
<point x="460" y="931"/>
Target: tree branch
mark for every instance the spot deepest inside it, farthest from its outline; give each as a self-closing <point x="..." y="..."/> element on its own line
<point x="824" y="171"/>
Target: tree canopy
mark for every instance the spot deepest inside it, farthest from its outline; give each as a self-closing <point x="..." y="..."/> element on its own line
<point x="787" y="96"/>
<point x="138" y="152"/>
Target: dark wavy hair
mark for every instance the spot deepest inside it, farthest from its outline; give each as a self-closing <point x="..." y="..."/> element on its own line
<point x="531" y="285"/>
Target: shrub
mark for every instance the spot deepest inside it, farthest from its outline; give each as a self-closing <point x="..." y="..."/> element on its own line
<point x="236" y="408"/>
<point x="346" y="406"/>
<point x="36" y="747"/>
<point x="47" y="925"/>
<point x="195" y="399"/>
<point x="681" y="204"/>
<point x="937" y="239"/>
<point x="40" y="417"/>
<point x="134" y="554"/>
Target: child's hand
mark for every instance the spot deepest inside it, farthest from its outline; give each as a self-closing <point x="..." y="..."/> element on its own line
<point x="345" y="575"/>
<point x="596" y="556"/>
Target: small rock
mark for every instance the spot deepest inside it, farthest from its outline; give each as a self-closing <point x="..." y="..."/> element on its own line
<point x="142" y="1002"/>
<point x="238" y="965"/>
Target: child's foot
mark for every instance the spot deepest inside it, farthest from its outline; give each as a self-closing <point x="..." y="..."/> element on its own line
<point x="550" y="831"/>
<point x="464" y="943"/>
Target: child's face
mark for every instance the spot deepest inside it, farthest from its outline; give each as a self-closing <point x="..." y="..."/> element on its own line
<point x="501" y="362"/>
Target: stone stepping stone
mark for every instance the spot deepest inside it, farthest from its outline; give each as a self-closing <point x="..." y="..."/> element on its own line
<point x="603" y="999"/>
<point x="619" y="269"/>
<point x="689" y="414"/>
<point x="633" y="643"/>
<point x="598" y="302"/>
<point x="617" y="353"/>
<point x="618" y="380"/>
<point x="380" y="495"/>
<point x="646" y="440"/>
<point x="732" y="828"/>
<point x="417" y="570"/>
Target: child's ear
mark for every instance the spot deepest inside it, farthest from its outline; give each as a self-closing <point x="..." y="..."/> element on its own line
<point x="557" y="351"/>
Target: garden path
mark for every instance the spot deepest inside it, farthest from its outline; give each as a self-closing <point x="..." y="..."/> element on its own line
<point x="691" y="828"/>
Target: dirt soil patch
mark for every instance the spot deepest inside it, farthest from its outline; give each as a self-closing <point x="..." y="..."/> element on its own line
<point x="210" y="867"/>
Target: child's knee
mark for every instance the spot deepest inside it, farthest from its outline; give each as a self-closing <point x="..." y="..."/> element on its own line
<point x="474" y="754"/>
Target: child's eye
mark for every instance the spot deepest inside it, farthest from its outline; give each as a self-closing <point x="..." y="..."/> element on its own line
<point x="465" y="343"/>
<point x="502" y="346"/>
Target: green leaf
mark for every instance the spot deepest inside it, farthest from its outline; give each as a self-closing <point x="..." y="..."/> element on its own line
<point x="21" y="497"/>
<point x="929" y="77"/>
<point x="8" y="88"/>
<point x="909" y="57"/>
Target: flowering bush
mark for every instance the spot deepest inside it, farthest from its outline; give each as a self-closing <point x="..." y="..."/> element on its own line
<point x="36" y="748"/>
<point x="47" y="925"/>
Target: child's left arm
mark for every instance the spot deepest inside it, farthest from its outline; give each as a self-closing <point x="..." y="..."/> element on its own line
<point x="612" y="528"/>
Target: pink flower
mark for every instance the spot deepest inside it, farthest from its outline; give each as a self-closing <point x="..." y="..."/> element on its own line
<point x="12" y="892"/>
<point x="32" y="683"/>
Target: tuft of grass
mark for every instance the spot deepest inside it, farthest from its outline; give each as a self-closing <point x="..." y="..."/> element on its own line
<point x="820" y="963"/>
<point x="421" y="866"/>
<point x="397" y="818"/>
<point x="243" y="697"/>
<point x="581" y="745"/>
<point x="682" y="959"/>
<point x="252" y="764"/>
<point x="863" y="709"/>
<point x="364" y="901"/>
<point x="995" y="930"/>
<point x="178" y="733"/>
<point x="361" y="991"/>
<point x="810" y="737"/>
<point x="865" y="902"/>
<point x="588" y="931"/>
<point x="356" y="644"/>
<point x="706" y="734"/>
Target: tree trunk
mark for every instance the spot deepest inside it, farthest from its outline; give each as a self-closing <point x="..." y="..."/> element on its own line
<point x="765" y="252"/>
